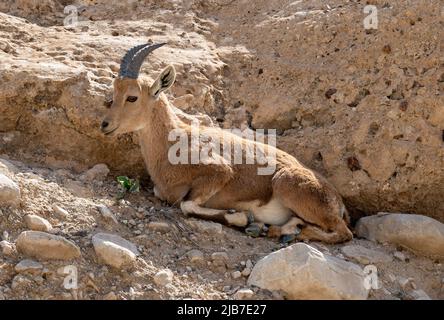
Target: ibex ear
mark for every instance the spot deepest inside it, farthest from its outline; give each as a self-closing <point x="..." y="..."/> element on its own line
<point x="164" y="81"/>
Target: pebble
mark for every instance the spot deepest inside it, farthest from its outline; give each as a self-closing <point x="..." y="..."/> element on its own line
<point x="196" y="256"/>
<point x="8" y="249"/>
<point x="163" y="277"/>
<point x="158" y="226"/>
<point x="107" y="214"/>
<point x="43" y="245"/>
<point x="219" y="258"/>
<point x="59" y="211"/>
<point x="115" y="251"/>
<point x="419" y="295"/>
<point x="246" y="272"/>
<point x="207" y="227"/>
<point x="244" y="294"/>
<point x="37" y="223"/>
<point x="400" y="256"/>
<point x="29" y="266"/>
<point x="236" y="274"/>
<point x="98" y="172"/>
<point x="9" y="192"/>
<point x="110" y="296"/>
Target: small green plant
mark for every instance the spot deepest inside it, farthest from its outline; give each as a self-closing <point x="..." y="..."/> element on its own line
<point x="127" y="185"/>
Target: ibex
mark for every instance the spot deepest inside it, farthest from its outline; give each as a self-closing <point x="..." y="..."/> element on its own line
<point x="296" y="202"/>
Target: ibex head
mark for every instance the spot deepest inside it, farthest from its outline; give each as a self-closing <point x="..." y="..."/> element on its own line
<point x="133" y="98"/>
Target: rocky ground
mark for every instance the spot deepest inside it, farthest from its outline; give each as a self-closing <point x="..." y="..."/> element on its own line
<point x="164" y="255"/>
<point x="363" y="107"/>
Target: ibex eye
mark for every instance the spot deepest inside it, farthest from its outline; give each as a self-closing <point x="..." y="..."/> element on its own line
<point x="131" y="99"/>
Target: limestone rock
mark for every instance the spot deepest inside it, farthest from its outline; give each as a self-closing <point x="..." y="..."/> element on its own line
<point x="420" y="234"/>
<point x="8" y="249"/>
<point x="45" y="246"/>
<point x="9" y="191"/>
<point x="159" y="226"/>
<point x="59" y="211"/>
<point x="208" y="227"/>
<point x="243" y="294"/>
<point x="195" y="256"/>
<point x="163" y="277"/>
<point x="37" y="223"/>
<point x="303" y="272"/>
<point x="29" y="266"/>
<point x="365" y="256"/>
<point x="98" y="172"/>
<point x="115" y="251"/>
<point x="107" y="214"/>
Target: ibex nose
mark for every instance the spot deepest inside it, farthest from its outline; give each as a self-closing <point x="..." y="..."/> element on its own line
<point x="104" y="125"/>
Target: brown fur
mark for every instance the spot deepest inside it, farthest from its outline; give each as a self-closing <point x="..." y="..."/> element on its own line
<point x="209" y="190"/>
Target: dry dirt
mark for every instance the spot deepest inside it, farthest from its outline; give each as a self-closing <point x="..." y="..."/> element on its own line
<point x="42" y="187"/>
<point x="365" y="108"/>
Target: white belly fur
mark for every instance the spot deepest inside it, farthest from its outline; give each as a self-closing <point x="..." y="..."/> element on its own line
<point x="273" y="212"/>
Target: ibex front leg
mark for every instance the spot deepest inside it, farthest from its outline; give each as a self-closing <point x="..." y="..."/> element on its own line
<point x="204" y="188"/>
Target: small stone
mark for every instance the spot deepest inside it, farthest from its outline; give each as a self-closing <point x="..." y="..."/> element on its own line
<point x="249" y="264"/>
<point x="364" y="255"/>
<point x="244" y="294"/>
<point x="236" y="274"/>
<point x="226" y="288"/>
<point x="163" y="277"/>
<point x="400" y="256"/>
<point x="29" y="266"/>
<point x="110" y="296"/>
<point x="207" y="227"/>
<point x="403" y="282"/>
<point x="59" y="211"/>
<point x="246" y="272"/>
<point x="9" y="192"/>
<point x="37" y="223"/>
<point x="21" y="282"/>
<point x="98" y="172"/>
<point x="161" y="227"/>
<point x="220" y="259"/>
<point x="8" y="249"/>
<point x="196" y="256"/>
<point x="107" y="214"/>
<point x="419" y="295"/>
<point x="115" y="251"/>
<point x="43" y="245"/>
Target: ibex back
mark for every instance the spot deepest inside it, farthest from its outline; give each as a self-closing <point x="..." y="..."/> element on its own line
<point x="295" y="201"/>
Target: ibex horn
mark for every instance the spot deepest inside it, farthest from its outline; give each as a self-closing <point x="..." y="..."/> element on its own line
<point x="133" y="59"/>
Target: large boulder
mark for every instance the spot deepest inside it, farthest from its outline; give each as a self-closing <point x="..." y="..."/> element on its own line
<point x="303" y="272"/>
<point x="420" y="234"/>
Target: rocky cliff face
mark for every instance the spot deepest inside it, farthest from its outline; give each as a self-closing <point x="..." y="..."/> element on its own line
<point x="364" y="107"/>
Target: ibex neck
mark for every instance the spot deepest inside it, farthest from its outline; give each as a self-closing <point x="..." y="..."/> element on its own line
<point x="154" y="143"/>
<point x="161" y="119"/>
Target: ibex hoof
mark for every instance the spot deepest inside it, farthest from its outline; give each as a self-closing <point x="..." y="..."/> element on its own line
<point x="287" y="238"/>
<point x="253" y="230"/>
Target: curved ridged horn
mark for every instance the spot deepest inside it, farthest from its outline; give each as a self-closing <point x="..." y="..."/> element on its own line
<point x="128" y="57"/>
<point x="136" y="57"/>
